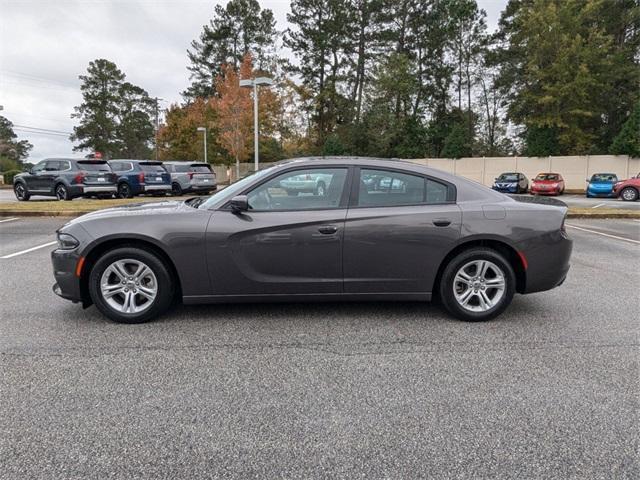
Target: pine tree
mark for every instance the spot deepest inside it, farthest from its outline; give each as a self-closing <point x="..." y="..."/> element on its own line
<point x="114" y="116"/>
<point x="240" y="27"/>
<point x="627" y="142"/>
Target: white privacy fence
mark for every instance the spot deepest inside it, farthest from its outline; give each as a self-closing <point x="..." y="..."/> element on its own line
<point x="574" y="169"/>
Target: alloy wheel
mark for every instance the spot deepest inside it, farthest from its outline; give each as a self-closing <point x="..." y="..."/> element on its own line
<point x="19" y="191"/>
<point x="61" y="192"/>
<point x="629" y="194"/>
<point x="129" y="286"/>
<point x="479" y="285"/>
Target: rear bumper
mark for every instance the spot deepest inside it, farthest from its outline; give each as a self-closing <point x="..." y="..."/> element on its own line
<point x="99" y="189"/>
<point x="156" y="188"/>
<point x="203" y="188"/>
<point x="548" y="261"/>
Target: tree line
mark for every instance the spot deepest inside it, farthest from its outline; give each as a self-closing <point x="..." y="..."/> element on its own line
<point x="389" y="78"/>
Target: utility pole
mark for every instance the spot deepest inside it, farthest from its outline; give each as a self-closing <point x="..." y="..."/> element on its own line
<point x="157" y="125"/>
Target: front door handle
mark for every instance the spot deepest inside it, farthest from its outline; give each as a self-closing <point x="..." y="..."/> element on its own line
<point x="442" y="222"/>
<point x="328" y="229"/>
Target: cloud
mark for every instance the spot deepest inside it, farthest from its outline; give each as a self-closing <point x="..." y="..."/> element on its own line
<point x="46" y="44"/>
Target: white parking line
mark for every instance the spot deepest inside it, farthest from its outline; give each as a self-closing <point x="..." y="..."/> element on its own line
<point x="9" y="219"/>
<point x="11" y="255"/>
<point x="599" y="205"/>
<point x="604" y="234"/>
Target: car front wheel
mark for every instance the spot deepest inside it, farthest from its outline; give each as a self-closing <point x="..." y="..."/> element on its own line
<point x="629" y="194"/>
<point x="131" y="285"/>
<point x="21" y="192"/>
<point x="478" y="284"/>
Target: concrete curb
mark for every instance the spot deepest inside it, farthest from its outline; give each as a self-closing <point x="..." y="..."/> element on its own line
<point x="75" y="213"/>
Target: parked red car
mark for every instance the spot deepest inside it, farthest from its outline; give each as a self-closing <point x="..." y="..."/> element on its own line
<point x="547" y="184"/>
<point x="628" y="190"/>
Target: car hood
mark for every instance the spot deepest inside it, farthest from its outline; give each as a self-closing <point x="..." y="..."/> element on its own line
<point x="134" y="209"/>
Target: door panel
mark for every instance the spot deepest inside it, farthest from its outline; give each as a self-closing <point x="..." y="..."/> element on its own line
<point x="397" y="249"/>
<point x="271" y="252"/>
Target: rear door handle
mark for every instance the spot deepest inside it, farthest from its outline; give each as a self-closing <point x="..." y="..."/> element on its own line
<point x="442" y="222"/>
<point x="328" y="229"/>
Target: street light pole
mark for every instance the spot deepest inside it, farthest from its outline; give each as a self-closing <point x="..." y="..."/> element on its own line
<point x="255" y="125"/>
<point x="254" y="83"/>
<point x="204" y="130"/>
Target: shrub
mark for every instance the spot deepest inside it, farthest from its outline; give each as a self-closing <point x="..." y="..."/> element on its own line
<point x="8" y="176"/>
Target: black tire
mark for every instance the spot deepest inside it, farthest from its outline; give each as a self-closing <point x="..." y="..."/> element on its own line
<point x="165" y="287"/>
<point x="21" y="192"/>
<point x="629" y="194"/>
<point x="176" y="189"/>
<point x="62" y="192"/>
<point x="446" y="287"/>
<point x="124" y="191"/>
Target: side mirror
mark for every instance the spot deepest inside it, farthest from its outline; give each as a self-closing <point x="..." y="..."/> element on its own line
<point x="587" y="180"/>
<point x="495" y="179"/>
<point x="239" y="203"/>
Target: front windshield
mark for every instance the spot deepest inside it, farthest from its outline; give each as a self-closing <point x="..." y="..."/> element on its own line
<point x="508" y="177"/>
<point x="604" y="177"/>
<point x="547" y="176"/>
<point x="235" y="188"/>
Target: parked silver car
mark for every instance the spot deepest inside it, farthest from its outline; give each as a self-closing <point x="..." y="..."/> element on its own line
<point x="188" y="177"/>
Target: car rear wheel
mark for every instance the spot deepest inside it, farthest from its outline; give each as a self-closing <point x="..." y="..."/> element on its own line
<point x="21" y="192"/>
<point x="124" y="191"/>
<point x="130" y="285"/>
<point x="62" y="193"/>
<point x="629" y="194"/>
<point x="478" y="284"/>
<point x="176" y="189"/>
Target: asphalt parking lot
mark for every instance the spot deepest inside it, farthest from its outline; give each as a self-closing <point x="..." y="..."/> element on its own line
<point x="548" y="390"/>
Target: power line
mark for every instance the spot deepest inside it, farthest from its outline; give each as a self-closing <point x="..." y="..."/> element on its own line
<point x="37" y="78"/>
<point x="35" y="132"/>
<point x="51" y="130"/>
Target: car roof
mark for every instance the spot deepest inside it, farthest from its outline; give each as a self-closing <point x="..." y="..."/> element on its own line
<point x="183" y="162"/>
<point x="134" y="161"/>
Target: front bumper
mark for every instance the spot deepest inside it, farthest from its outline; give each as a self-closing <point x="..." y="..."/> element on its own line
<point x="544" y="192"/>
<point x="505" y="190"/>
<point x="64" y="271"/>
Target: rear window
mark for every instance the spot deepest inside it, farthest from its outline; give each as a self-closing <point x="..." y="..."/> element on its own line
<point x="604" y="177"/>
<point x="200" y="168"/>
<point x="152" y="167"/>
<point x="94" y="166"/>
<point x="181" y="168"/>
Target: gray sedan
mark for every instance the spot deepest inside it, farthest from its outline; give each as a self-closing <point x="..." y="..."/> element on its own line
<point x="380" y="230"/>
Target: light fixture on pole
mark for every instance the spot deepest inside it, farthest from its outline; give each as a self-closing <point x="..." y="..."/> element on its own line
<point x="204" y="130"/>
<point x="254" y="83"/>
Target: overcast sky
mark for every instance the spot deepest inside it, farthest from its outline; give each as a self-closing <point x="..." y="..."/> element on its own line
<point x="46" y="44"/>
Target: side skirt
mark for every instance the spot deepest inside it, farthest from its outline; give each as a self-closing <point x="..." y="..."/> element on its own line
<point x="304" y="297"/>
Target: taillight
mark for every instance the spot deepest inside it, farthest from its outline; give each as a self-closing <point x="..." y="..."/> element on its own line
<point x="141" y="177"/>
<point x="563" y="228"/>
<point x="79" y="178"/>
<point x="190" y="174"/>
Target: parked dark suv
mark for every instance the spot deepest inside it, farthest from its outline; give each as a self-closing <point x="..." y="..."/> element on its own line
<point x="66" y="178"/>
<point x="141" y="176"/>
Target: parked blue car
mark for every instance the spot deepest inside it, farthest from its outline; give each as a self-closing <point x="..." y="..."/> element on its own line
<point x="511" y="182"/>
<point x="601" y="185"/>
<point x="141" y="176"/>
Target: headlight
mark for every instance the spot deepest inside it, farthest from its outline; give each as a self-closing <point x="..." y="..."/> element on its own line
<point x="67" y="242"/>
